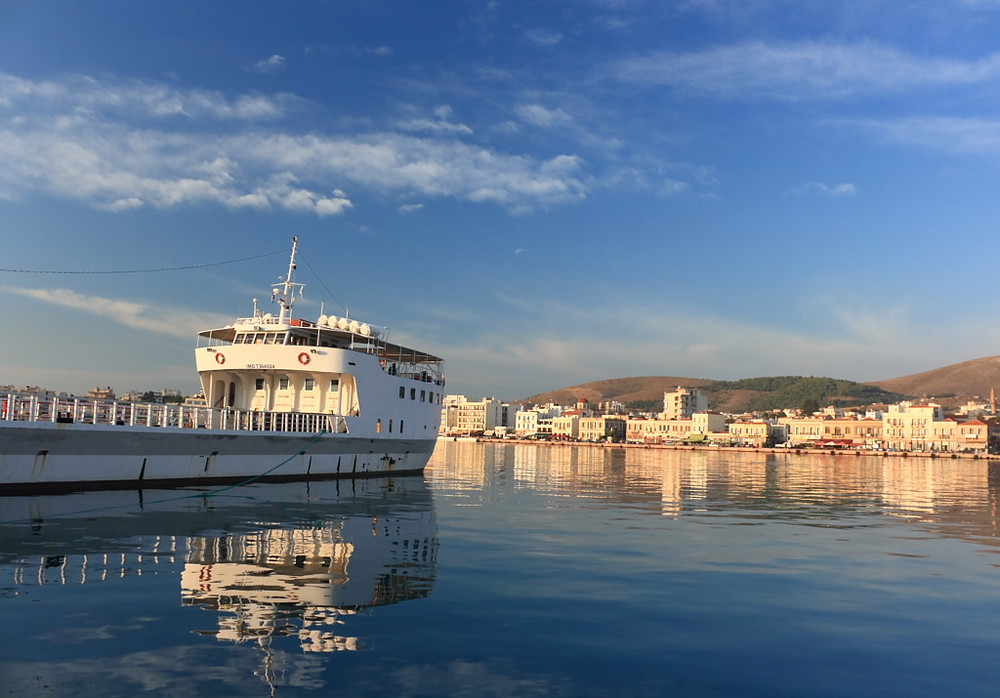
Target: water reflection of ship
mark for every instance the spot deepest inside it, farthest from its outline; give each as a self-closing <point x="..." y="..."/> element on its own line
<point x="302" y="581"/>
<point x="296" y="560"/>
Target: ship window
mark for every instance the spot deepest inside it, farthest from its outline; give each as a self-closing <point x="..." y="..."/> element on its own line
<point x="401" y="426"/>
<point x="334" y="385"/>
<point x="423" y="396"/>
<point x="310" y="383"/>
<point x="402" y="392"/>
<point x="390" y="426"/>
<point x="413" y="393"/>
<point x="283" y="383"/>
<point x="258" y="339"/>
<point x="269" y="338"/>
<point x="260" y="384"/>
<point x="378" y="426"/>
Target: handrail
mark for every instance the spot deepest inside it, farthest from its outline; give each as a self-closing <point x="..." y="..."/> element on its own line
<point x="48" y="408"/>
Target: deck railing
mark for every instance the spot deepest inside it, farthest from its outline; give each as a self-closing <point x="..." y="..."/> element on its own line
<point x="48" y="408"/>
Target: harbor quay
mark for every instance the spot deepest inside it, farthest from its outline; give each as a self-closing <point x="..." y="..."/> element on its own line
<point x="717" y="448"/>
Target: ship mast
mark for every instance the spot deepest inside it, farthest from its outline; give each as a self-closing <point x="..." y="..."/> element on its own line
<point x="285" y="293"/>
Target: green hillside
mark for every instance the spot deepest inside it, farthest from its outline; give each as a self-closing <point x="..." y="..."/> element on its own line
<point x="777" y="392"/>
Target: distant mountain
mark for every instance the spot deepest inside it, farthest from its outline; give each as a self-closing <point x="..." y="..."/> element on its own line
<point x="950" y="385"/>
<point x="954" y="384"/>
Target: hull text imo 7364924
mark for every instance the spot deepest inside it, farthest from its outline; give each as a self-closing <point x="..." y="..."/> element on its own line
<point x="285" y="398"/>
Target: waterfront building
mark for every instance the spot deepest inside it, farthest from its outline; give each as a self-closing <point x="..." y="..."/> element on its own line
<point x="635" y="430"/>
<point x="526" y="421"/>
<point x="683" y="403"/>
<point x="841" y="432"/>
<point x="567" y="425"/>
<point x="755" y="433"/>
<point x="708" y="422"/>
<point x="602" y="429"/>
<point x="910" y="427"/>
<point x="462" y="416"/>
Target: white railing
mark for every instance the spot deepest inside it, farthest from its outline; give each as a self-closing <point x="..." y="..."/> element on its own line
<point x="48" y="408"/>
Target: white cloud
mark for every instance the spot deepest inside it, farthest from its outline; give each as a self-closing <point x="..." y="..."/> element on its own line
<point x="835" y="190"/>
<point x="538" y="115"/>
<point x="672" y="187"/>
<point x="54" y="143"/>
<point x="81" y="97"/>
<point x="803" y="70"/>
<point x="272" y="64"/>
<point x="952" y="134"/>
<point x="540" y="37"/>
<point x="433" y="126"/>
<point x="410" y="208"/>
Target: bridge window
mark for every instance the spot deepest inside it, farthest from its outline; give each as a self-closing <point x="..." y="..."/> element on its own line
<point x="283" y="383"/>
<point x="309" y="384"/>
<point x="334" y="385"/>
<point x="259" y="384"/>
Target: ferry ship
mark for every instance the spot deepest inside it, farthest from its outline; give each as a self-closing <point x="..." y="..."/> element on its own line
<point x="284" y="398"/>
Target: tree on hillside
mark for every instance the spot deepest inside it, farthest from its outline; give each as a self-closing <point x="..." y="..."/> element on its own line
<point x="809" y="405"/>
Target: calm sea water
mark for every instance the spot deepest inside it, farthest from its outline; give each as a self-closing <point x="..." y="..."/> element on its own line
<point x="518" y="571"/>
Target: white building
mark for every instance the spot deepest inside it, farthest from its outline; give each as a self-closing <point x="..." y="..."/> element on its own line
<point x="462" y="416"/>
<point x="529" y="422"/>
<point x="683" y="403"/>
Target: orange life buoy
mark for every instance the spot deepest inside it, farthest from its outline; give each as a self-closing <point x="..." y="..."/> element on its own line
<point x="220" y="358"/>
<point x="304" y="358"/>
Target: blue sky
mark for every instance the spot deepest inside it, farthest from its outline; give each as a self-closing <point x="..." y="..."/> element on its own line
<point x="543" y="193"/>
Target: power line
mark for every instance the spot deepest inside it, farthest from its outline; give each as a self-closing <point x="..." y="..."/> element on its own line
<point x="144" y="271"/>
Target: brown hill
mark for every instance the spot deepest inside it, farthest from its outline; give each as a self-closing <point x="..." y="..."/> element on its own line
<point x="959" y="382"/>
<point x="620" y="389"/>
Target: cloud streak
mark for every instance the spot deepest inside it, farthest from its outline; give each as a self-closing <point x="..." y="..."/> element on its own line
<point x="159" y="319"/>
<point x="804" y="70"/>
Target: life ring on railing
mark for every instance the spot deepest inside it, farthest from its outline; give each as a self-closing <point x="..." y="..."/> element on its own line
<point x="220" y="358"/>
<point x="304" y="358"/>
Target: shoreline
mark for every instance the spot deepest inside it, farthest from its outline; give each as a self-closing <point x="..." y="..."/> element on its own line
<point x="847" y="453"/>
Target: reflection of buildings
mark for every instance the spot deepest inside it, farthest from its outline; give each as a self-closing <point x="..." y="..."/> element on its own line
<point x="959" y="498"/>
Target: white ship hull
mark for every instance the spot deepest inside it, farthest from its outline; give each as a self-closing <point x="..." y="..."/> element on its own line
<point x="82" y="455"/>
